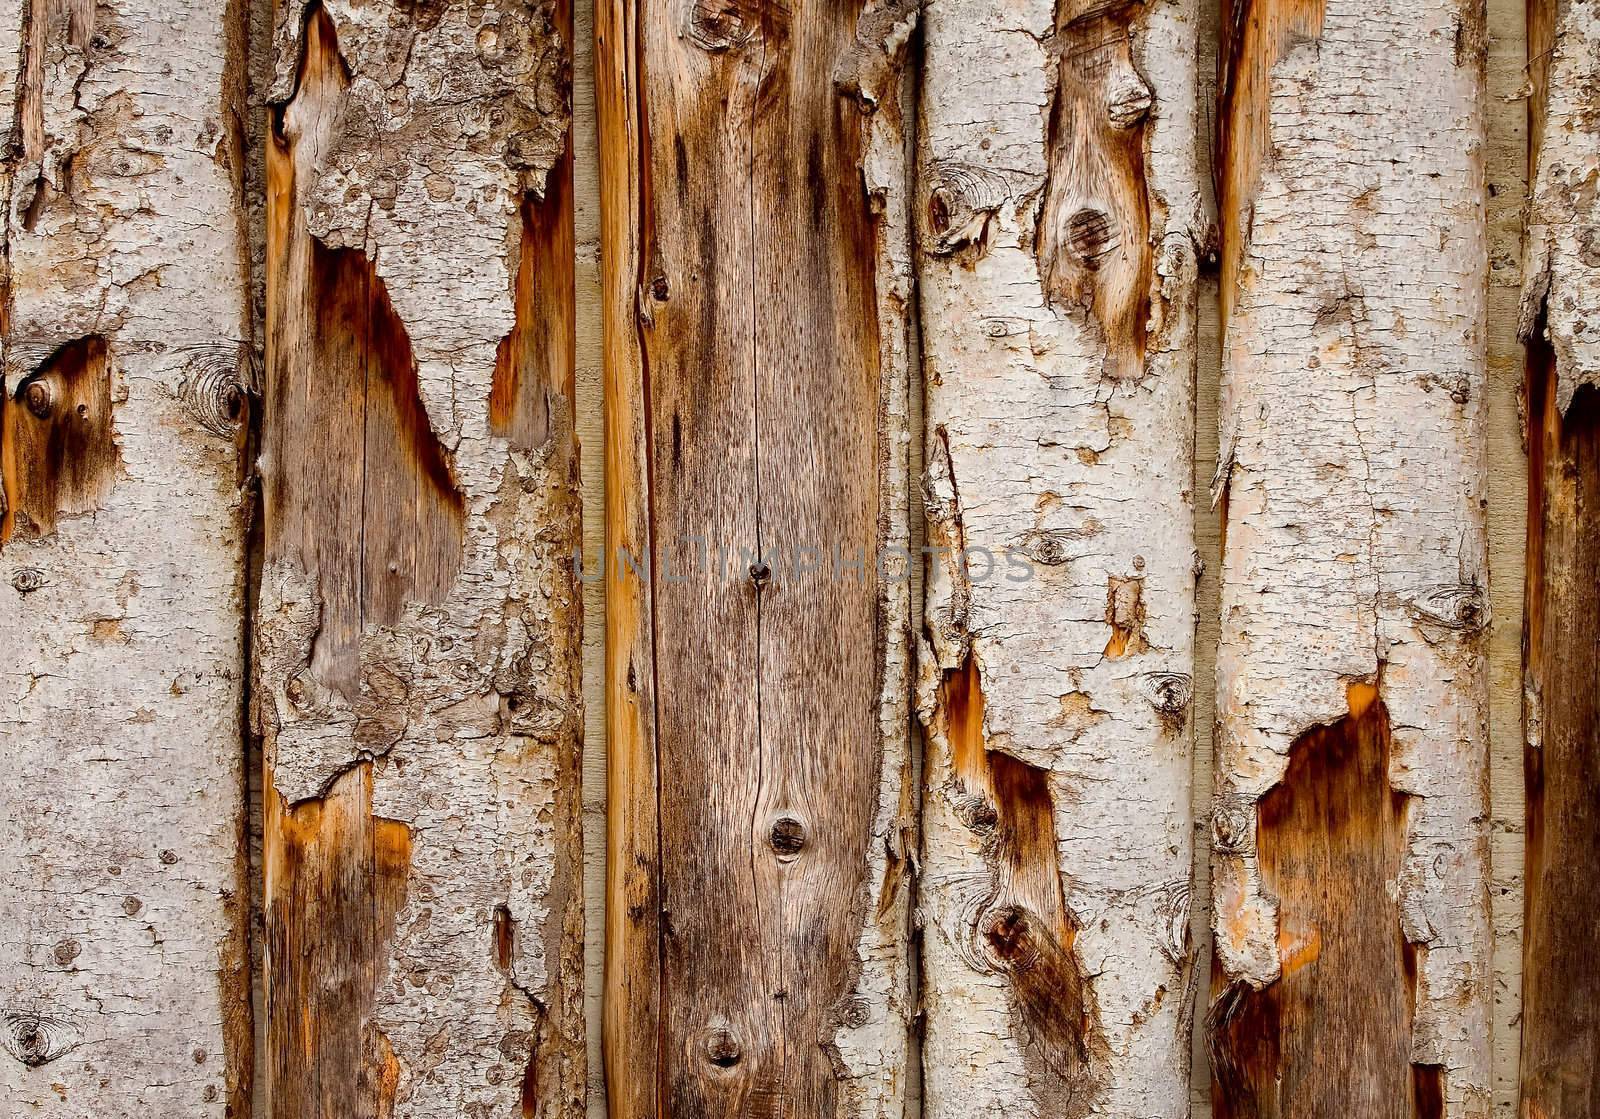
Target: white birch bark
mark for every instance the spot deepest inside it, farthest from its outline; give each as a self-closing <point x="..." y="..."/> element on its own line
<point x="1561" y="278"/>
<point x="1354" y="563"/>
<point x="123" y="974"/>
<point x="1060" y="213"/>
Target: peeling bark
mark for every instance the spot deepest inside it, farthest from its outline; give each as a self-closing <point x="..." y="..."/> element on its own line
<point x="757" y="282"/>
<point x="1060" y="217"/>
<point x="1350" y="874"/>
<point x="417" y="653"/>
<point x="1561" y="994"/>
<point x="1331" y="837"/>
<point x="124" y="988"/>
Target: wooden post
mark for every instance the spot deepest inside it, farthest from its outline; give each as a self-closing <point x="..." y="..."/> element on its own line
<point x="1060" y="213"/>
<point x="756" y="256"/>
<point x="1560" y="991"/>
<point x="417" y="654"/>
<point x="124" y="972"/>
<point x="1351" y="909"/>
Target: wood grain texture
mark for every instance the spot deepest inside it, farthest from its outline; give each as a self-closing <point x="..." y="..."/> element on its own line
<point x="1561" y="997"/>
<point x="1332" y="835"/>
<point x="1352" y="967"/>
<point x="1561" y="719"/>
<point x="1061" y="218"/>
<point x="418" y="631"/>
<point x="632" y="987"/>
<point x="124" y="988"/>
<point x="755" y="214"/>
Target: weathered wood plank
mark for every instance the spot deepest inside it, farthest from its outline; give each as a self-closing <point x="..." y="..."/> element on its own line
<point x="1561" y="692"/>
<point x="417" y="655"/>
<point x="124" y="988"/>
<point x="757" y="287"/>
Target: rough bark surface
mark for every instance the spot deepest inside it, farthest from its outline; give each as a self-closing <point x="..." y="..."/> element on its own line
<point x="1561" y="986"/>
<point x="757" y="276"/>
<point x="419" y="618"/>
<point x="1350" y="920"/>
<point x="124" y="985"/>
<point x="1060" y="216"/>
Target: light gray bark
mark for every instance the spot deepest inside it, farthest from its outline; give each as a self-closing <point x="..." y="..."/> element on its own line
<point x="1060" y="210"/>
<point x="123" y="974"/>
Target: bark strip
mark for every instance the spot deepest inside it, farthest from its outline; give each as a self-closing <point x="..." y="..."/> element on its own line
<point x="417" y="655"/>
<point x="1351" y="917"/>
<point x="124" y="987"/>
<point x="1560" y="987"/>
<point x="1060" y="215"/>
<point x="757" y="260"/>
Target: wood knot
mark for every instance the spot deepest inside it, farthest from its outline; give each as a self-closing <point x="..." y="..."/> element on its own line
<point x="720" y="25"/>
<point x="36" y="1038"/>
<point x="1230" y="827"/>
<point x="760" y="574"/>
<point x="1169" y="692"/>
<point x="977" y="812"/>
<point x="1450" y="606"/>
<point x="1128" y="101"/>
<point x="788" y="838"/>
<point x="1009" y="933"/>
<point x="212" y="387"/>
<point x="28" y="580"/>
<point x="722" y="1047"/>
<point x="40" y="398"/>
<point x="961" y="203"/>
<point x="1092" y="235"/>
<point x="856" y="1012"/>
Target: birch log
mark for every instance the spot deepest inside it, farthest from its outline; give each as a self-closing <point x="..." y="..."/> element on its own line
<point x="1060" y="214"/>
<point x="1560" y="984"/>
<point x="1351" y="921"/>
<point x="757" y="278"/>
<point x="418" y="626"/>
<point x="124" y="986"/>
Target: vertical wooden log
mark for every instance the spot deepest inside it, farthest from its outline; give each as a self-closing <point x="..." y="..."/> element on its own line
<point x="757" y="278"/>
<point x="1351" y="919"/>
<point x="124" y="986"/>
<point x="1561" y="992"/>
<point x="419" y="619"/>
<point x="1059" y="212"/>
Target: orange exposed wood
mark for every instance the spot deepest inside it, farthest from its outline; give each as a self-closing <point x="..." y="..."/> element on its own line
<point x="335" y="877"/>
<point x="1024" y="927"/>
<point x="535" y="368"/>
<point x="632" y="1026"/>
<point x="1332" y="1035"/>
<point x="1094" y="233"/>
<point x="58" y="453"/>
<point x="1561" y="940"/>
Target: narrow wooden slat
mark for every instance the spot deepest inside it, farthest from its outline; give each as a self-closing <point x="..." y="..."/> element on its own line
<point x="1561" y="693"/>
